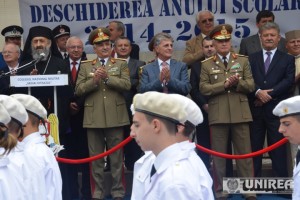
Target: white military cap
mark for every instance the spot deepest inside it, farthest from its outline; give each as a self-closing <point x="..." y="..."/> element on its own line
<point x="15" y="109"/>
<point x="4" y="115"/>
<point x="288" y="107"/>
<point x="167" y="106"/>
<point x="31" y="104"/>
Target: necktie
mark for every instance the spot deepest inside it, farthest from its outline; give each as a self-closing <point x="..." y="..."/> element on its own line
<point x="102" y="62"/>
<point x="297" y="157"/>
<point x="65" y="55"/>
<point x="74" y="71"/>
<point x="268" y="61"/>
<point x="13" y="72"/>
<point x="225" y="61"/>
<point x="165" y="89"/>
<point x="153" y="171"/>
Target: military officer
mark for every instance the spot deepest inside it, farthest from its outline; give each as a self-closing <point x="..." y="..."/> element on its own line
<point x="226" y="79"/>
<point x="102" y="82"/>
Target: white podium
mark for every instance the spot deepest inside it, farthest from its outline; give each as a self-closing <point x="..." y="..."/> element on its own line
<point x="51" y="80"/>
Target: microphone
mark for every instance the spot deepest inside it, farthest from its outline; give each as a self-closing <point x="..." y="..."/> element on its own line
<point x="42" y="55"/>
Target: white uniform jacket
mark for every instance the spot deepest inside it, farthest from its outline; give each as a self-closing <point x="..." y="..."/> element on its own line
<point x="174" y="177"/>
<point x="296" y="177"/>
<point x="44" y="164"/>
<point x="11" y="181"/>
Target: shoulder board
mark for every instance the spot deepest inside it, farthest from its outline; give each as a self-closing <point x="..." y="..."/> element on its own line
<point x="86" y="61"/>
<point x="113" y="60"/>
<point x="240" y="55"/>
<point x="206" y="59"/>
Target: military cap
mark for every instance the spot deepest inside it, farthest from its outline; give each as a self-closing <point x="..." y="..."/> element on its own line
<point x="290" y="35"/>
<point x="99" y="35"/>
<point x="288" y="107"/>
<point x="15" y="109"/>
<point x="4" y="115"/>
<point x="61" y="30"/>
<point x="221" y="32"/>
<point x="167" y="106"/>
<point x="31" y="104"/>
<point x="12" y="31"/>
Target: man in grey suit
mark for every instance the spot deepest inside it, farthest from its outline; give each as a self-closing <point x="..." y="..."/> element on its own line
<point x="165" y="74"/>
<point x="132" y="152"/>
<point x="252" y="43"/>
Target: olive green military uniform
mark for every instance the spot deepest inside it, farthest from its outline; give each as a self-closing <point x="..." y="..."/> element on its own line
<point x="228" y="112"/>
<point x="105" y="114"/>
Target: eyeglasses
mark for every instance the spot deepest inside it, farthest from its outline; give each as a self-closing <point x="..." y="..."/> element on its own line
<point x="75" y="47"/>
<point x="9" y="52"/>
<point x="207" y="20"/>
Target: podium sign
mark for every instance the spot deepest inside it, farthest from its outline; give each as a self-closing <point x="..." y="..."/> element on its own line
<point x="39" y="80"/>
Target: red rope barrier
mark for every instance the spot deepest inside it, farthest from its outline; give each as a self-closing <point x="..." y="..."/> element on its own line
<point x="249" y="155"/>
<point x="90" y="159"/>
<point x="222" y="155"/>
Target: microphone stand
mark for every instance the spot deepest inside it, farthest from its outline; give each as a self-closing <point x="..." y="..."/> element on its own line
<point x="19" y="68"/>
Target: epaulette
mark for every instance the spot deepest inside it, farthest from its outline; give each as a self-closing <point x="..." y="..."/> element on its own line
<point x="113" y="60"/>
<point x="85" y="61"/>
<point x="240" y="55"/>
<point x="207" y="59"/>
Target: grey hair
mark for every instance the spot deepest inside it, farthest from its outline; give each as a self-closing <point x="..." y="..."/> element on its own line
<point x="162" y="36"/>
<point x="122" y="38"/>
<point x="72" y="38"/>
<point x="202" y="12"/>
<point x="269" y="25"/>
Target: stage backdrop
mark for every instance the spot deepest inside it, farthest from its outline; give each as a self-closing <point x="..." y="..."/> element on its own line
<point x="144" y="18"/>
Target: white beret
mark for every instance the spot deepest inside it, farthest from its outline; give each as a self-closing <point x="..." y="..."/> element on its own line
<point x="194" y="114"/>
<point x="169" y="106"/>
<point x="4" y="115"/>
<point x="288" y="107"/>
<point x="15" y="109"/>
<point x="31" y="104"/>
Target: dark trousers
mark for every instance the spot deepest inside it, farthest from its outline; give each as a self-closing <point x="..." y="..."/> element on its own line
<point x="261" y="127"/>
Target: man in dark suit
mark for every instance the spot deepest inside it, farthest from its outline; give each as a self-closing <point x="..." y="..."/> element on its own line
<point x="202" y="130"/>
<point x="76" y="138"/>
<point x="274" y="73"/>
<point x="11" y="55"/>
<point x="117" y="29"/>
<point x="165" y="74"/>
<point x="132" y="151"/>
<point x="252" y="44"/>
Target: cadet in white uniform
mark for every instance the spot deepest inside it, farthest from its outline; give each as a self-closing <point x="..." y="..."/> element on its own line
<point x="11" y="183"/>
<point x="180" y="173"/>
<point x="37" y="152"/>
<point x="289" y="113"/>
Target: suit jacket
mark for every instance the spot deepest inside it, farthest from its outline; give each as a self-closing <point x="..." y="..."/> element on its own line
<point x="5" y="83"/>
<point x="104" y="105"/>
<point x="195" y="93"/>
<point x="279" y="77"/>
<point x="135" y="51"/>
<point x="193" y="50"/>
<point x="133" y="66"/>
<point x="252" y="44"/>
<point x="231" y="105"/>
<point x="179" y="81"/>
